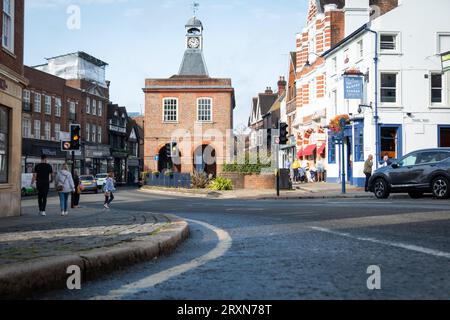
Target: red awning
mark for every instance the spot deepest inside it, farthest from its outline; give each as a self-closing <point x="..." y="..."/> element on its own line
<point x="300" y="153"/>
<point x="322" y="149"/>
<point x="309" y="150"/>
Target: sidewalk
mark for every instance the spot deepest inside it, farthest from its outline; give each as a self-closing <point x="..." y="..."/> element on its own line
<point x="36" y="251"/>
<point x="303" y="191"/>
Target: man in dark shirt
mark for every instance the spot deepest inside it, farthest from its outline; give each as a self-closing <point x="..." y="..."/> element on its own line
<point x="43" y="176"/>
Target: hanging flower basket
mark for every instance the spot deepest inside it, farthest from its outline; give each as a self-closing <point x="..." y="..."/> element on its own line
<point x="336" y="123"/>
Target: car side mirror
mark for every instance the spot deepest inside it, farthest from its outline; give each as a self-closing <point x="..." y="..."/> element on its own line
<point x="395" y="165"/>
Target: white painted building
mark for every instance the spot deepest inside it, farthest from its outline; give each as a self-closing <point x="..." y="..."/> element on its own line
<point x="413" y="94"/>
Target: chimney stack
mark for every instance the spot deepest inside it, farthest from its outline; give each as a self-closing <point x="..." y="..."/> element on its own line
<point x="281" y="86"/>
<point x="269" y="90"/>
<point x="357" y="13"/>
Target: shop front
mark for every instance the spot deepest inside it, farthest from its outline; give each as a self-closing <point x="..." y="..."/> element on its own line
<point x="97" y="158"/>
<point x="134" y="169"/>
<point x="32" y="150"/>
<point x="119" y="166"/>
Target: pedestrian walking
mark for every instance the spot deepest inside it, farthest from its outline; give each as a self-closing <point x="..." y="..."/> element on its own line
<point x="77" y="193"/>
<point x="368" y="166"/>
<point x="296" y="167"/>
<point x="109" y="189"/>
<point x="320" y="171"/>
<point x="65" y="186"/>
<point x="42" y="176"/>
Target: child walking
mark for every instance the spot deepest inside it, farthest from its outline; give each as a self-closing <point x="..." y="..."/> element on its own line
<point x="108" y="189"/>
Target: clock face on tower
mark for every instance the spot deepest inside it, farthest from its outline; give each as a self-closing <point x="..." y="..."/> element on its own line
<point x="194" y="43"/>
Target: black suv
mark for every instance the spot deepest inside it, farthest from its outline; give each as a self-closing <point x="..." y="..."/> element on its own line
<point x="424" y="171"/>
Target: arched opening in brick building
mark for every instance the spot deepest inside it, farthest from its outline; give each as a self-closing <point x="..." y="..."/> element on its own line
<point x="166" y="162"/>
<point x="205" y="160"/>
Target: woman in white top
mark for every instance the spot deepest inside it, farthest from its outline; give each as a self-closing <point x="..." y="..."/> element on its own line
<point x="65" y="186"/>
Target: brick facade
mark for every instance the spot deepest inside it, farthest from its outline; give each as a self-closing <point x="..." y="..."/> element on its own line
<point x="12" y="82"/>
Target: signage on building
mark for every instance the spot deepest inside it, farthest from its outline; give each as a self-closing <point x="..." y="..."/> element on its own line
<point x="446" y="62"/>
<point x="49" y="152"/>
<point x="353" y="88"/>
<point x="117" y="129"/>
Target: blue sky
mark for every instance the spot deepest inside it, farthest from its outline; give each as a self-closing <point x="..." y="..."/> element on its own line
<point x="246" y="40"/>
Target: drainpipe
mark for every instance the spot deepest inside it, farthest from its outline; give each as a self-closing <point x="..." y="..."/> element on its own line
<point x="376" y="117"/>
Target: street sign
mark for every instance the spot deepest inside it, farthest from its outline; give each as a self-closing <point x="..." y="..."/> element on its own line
<point x="156" y="158"/>
<point x="353" y="88"/>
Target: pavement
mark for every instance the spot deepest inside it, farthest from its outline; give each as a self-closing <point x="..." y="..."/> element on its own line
<point x="241" y="249"/>
<point x="301" y="191"/>
<point x="36" y="251"/>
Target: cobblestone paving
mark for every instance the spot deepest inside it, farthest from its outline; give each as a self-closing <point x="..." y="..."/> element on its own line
<point x="84" y="230"/>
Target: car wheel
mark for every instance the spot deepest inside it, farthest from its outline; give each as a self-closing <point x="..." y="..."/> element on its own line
<point x="381" y="189"/>
<point x="416" y="194"/>
<point x="441" y="188"/>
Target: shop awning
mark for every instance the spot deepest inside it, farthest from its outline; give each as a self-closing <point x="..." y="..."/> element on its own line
<point x="309" y="150"/>
<point x="322" y="149"/>
<point x="300" y="153"/>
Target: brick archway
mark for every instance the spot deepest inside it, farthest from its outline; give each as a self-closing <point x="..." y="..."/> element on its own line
<point x="205" y="159"/>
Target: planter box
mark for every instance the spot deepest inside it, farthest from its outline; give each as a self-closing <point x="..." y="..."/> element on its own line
<point x="259" y="181"/>
<point x="237" y="179"/>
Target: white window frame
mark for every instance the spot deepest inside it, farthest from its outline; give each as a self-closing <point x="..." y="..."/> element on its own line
<point x="37" y="102"/>
<point x="48" y="105"/>
<point x="94" y="107"/>
<point x="93" y="133"/>
<point x="72" y="107"/>
<point x="26" y="127"/>
<point x="334" y="66"/>
<point x="88" y="132"/>
<point x="164" y="110"/>
<point x="100" y="108"/>
<point x="398" y="42"/>
<point x="438" y="41"/>
<point x="360" y="48"/>
<point x="37" y="129"/>
<point x="398" y="90"/>
<point x="443" y="103"/>
<point x="57" y="131"/>
<point x="99" y="134"/>
<point x="11" y="16"/>
<point x="211" y="120"/>
<point x="88" y="105"/>
<point x="27" y="96"/>
<point x="48" y="130"/>
<point x="58" y="107"/>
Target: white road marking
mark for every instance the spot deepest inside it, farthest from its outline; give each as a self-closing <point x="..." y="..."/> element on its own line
<point x="410" y="247"/>
<point x="222" y="247"/>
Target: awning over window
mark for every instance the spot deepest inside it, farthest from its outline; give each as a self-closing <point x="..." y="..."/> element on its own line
<point x="321" y="149"/>
<point x="300" y="153"/>
<point x="309" y="150"/>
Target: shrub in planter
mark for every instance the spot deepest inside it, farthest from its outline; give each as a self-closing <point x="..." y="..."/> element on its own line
<point x="221" y="184"/>
<point x="200" y="180"/>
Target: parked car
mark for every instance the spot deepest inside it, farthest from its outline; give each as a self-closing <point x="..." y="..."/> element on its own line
<point x="89" y="184"/>
<point x="420" y="172"/>
<point x="101" y="178"/>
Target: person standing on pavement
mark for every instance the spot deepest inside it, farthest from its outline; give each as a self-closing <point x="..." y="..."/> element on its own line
<point x="65" y="186"/>
<point x="368" y="167"/>
<point x="320" y="171"/>
<point x="295" y="168"/>
<point x="109" y="189"/>
<point x="42" y="176"/>
<point x="77" y="193"/>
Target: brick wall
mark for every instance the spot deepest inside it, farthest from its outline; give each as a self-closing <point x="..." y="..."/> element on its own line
<point x="187" y="91"/>
<point x="262" y="181"/>
<point x="14" y="60"/>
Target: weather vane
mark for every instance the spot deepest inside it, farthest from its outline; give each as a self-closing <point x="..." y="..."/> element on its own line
<point x="195" y="7"/>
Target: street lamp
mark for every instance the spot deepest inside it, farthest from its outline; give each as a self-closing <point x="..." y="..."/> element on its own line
<point x="308" y="64"/>
<point x="361" y="106"/>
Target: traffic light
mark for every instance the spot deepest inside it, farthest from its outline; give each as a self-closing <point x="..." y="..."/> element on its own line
<point x="75" y="137"/>
<point x="284" y="133"/>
